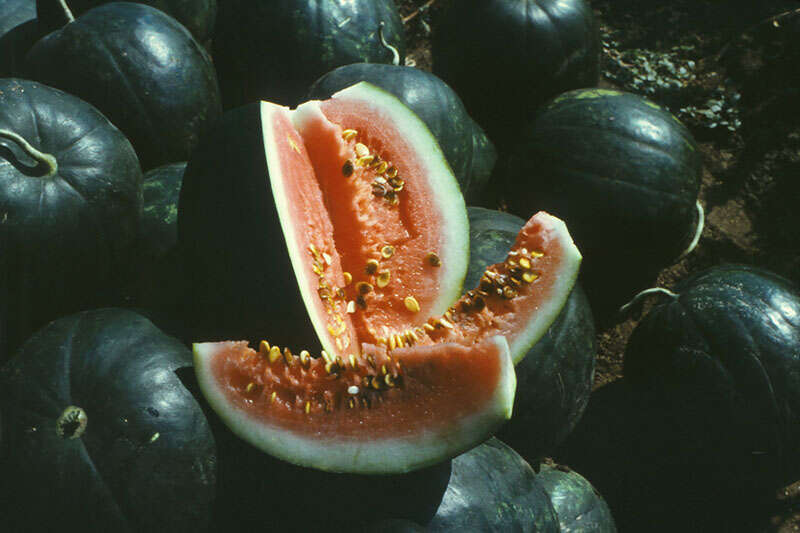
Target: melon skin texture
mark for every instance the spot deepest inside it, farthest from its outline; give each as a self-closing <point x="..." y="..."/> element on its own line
<point x="143" y="459"/>
<point x="274" y="50"/>
<point x="577" y="504"/>
<point x="623" y="173"/>
<point x="468" y="150"/>
<point x="68" y="231"/>
<point x="162" y="97"/>
<point x="555" y="376"/>
<point x="198" y="16"/>
<point x="505" y="58"/>
<point x="721" y="359"/>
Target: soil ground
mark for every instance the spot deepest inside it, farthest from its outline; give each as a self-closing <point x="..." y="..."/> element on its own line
<point x="730" y="70"/>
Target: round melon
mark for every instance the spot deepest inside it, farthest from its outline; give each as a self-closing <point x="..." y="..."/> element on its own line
<point x="97" y="425"/>
<point x="505" y="58"/>
<point x="70" y="200"/>
<point x="162" y="96"/>
<point x="198" y="16"/>
<point x="468" y="150"/>
<point x="342" y="221"/>
<point x="623" y="173"/>
<point x="274" y="50"/>
<point x="722" y="357"/>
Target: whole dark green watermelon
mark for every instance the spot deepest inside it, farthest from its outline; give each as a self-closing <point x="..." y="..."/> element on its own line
<point x="274" y="50"/>
<point x="99" y="430"/>
<point x="493" y="489"/>
<point x="70" y="201"/>
<point x="722" y="357"/>
<point x="467" y="148"/>
<point x="555" y="378"/>
<point x="15" y="12"/>
<point x="197" y="15"/>
<point x="623" y="173"/>
<point x="142" y="69"/>
<point x="507" y="57"/>
<point x="577" y="504"/>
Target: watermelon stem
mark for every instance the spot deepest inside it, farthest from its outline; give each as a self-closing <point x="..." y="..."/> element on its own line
<point x="67" y="11"/>
<point x="654" y="290"/>
<point x="41" y="158"/>
<point x="701" y="221"/>
<point x="395" y="53"/>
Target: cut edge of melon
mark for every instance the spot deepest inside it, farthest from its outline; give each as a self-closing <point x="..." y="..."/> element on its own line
<point x="455" y="251"/>
<point x="363" y="456"/>
<point x="547" y="313"/>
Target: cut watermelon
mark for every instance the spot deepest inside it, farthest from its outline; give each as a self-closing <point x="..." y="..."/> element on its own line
<point x="374" y="228"/>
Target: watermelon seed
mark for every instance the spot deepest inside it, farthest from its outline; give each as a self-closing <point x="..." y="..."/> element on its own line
<point x="347" y="168"/>
<point x="529" y="277"/>
<point x="381" y="180"/>
<point x="263" y="347"/>
<point x="365" y="161"/>
<point x="377" y="189"/>
<point x="351" y="403"/>
<point x="361" y="150"/>
<point x="273" y="396"/>
<point x="428" y="327"/>
<point x="411" y="304"/>
<point x="308" y="407"/>
<point x="348" y="278"/>
<point x="392" y="342"/>
<point x="445" y="323"/>
<point x="372" y="266"/>
<point x="387" y="251"/>
<point x="353" y="363"/>
<point x="391" y="172"/>
<point x="388" y="380"/>
<point x="525" y="263"/>
<point x="349" y="134"/>
<point x="325" y="356"/>
<point x="250" y="387"/>
<point x="287" y="355"/>
<point x="351" y="307"/>
<point x="400" y="343"/>
<point x="371" y="360"/>
<point x="397" y="184"/>
<point x="274" y="354"/>
<point x="380" y="168"/>
<point x="383" y="278"/>
<point x="328" y="259"/>
<point x="363" y="288"/>
<point x="304" y="358"/>
<point x="509" y="292"/>
<point x="433" y="259"/>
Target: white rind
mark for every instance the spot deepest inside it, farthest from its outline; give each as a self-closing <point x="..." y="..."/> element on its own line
<point x="361" y="455"/>
<point x="554" y="302"/>
<point x="454" y="251"/>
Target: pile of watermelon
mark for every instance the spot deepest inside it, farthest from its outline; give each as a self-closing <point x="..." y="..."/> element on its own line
<point x="256" y="271"/>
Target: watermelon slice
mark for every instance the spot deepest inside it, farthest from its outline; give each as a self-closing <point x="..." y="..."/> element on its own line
<point x="374" y="228"/>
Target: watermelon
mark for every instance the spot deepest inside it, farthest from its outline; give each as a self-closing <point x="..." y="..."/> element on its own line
<point x="363" y="248"/>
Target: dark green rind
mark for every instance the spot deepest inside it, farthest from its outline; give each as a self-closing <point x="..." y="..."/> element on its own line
<point x="118" y="476"/>
<point x="159" y="226"/>
<point x="623" y="173"/>
<point x="555" y="377"/>
<point x="70" y="238"/>
<point x="15" y="45"/>
<point x="142" y="69"/>
<point x="198" y="16"/>
<point x="275" y="50"/>
<point x="469" y="152"/>
<point x="577" y="504"/>
<point x="242" y="282"/>
<point x="15" y="12"/>
<point x="723" y="358"/>
<point x="491" y="489"/>
<point x="507" y="57"/>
